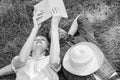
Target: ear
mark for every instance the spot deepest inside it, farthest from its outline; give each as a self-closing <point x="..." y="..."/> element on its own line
<point x="47" y="49"/>
<point x="49" y="34"/>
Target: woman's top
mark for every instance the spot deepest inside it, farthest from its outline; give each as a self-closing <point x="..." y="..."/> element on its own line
<point x="35" y="69"/>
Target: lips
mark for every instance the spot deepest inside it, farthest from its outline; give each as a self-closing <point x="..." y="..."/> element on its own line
<point x="38" y="43"/>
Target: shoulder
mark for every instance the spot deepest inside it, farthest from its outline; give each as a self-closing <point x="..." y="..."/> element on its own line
<point x="16" y="63"/>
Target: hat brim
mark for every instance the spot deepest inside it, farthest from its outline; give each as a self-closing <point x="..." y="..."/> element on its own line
<point x="89" y="68"/>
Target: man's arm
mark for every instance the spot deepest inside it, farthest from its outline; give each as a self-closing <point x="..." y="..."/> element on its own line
<point x="74" y="27"/>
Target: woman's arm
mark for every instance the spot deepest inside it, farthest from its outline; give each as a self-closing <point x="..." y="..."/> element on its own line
<point x="26" y="49"/>
<point x="74" y="26"/>
<point x="6" y="70"/>
<point x="25" y="52"/>
<point x="55" y="46"/>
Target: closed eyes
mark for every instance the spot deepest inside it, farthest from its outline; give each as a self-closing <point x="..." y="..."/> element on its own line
<point x="40" y="40"/>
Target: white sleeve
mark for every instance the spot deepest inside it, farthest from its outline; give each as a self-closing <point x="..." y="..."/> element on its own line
<point x="56" y="69"/>
<point x="16" y="64"/>
<point x="13" y="63"/>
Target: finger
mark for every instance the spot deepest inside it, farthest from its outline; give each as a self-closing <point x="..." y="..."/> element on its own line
<point x="39" y="24"/>
<point x="34" y="18"/>
<point x="40" y="11"/>
<point x="54" y="11"/>
<point x="39" y="18"/>
<point x="34" y="12"/>
<point x="40" y="14"/>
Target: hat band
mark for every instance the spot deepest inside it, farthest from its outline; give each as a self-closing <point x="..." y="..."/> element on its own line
<point x="77" y="65"/>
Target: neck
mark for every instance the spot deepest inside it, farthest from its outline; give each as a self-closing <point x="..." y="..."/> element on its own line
<point x="38" y="54"/>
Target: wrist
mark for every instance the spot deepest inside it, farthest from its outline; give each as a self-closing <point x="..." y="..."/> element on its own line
<point x="54" y="26"/>
<point x="115" y="77"/>
<point x="56" y="20"/>
<point x="35" y="29"/>
<point x="37" y="25"/>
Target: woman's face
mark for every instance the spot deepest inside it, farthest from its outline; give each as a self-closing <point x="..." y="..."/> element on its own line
<point x="40" y="43"/>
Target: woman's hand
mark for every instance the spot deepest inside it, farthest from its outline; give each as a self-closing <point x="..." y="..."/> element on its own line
<point x="55" y="20"/>
<point x="35" y="22"/>
<point x="28" y="45"/>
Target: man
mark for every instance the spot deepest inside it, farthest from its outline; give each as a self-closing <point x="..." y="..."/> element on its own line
<point x="83" y="24"/>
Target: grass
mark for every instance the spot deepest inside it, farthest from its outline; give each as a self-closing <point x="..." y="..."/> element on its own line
<point x="16" y="24"/>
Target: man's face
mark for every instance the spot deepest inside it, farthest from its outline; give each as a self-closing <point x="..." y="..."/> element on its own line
<point x="62" y="33"/>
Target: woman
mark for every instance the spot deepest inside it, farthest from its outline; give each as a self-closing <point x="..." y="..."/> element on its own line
<point x="37" y="66"/>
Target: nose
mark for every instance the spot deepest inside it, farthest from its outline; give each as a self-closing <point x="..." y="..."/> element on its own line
<point x="39" y="41"/>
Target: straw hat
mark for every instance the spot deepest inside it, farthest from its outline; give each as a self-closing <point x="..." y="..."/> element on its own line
<point x="83" y="59"/>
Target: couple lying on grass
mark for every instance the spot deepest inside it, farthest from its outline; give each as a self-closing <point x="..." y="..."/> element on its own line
<point x="77" y="56"/>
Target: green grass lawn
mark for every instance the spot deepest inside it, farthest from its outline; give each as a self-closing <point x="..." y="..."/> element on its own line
<point x="16" y="24"/>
